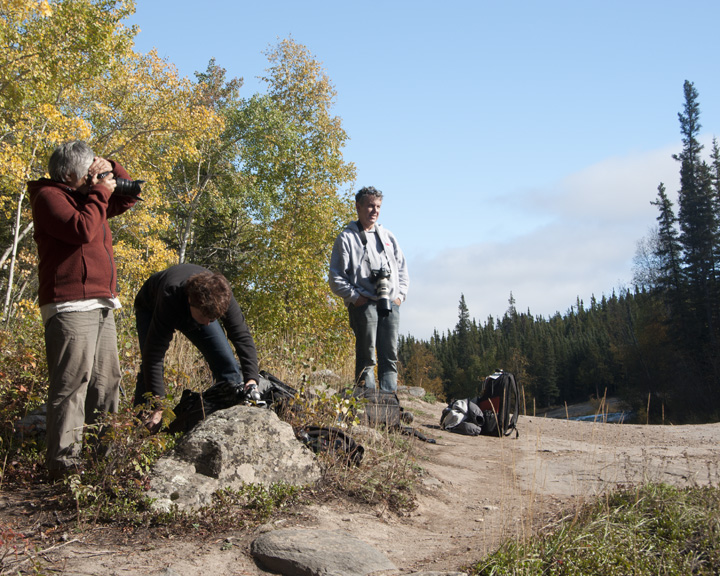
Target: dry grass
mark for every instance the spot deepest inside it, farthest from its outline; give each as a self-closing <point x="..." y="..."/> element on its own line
<point x="626" y="519"/>
<point x="653" y="529"/>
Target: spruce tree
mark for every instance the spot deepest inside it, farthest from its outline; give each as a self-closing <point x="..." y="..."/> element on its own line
<point x="462" y="379"/>
<point x="715" y="189"/>
<point x="697" y="220"/>
<point x="668" y="253"/>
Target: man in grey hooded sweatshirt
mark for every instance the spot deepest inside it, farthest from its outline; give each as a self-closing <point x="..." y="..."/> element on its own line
<point x="368" y="271"/>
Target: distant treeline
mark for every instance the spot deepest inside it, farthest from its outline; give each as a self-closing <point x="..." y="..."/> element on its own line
<point x="656" y="346"/>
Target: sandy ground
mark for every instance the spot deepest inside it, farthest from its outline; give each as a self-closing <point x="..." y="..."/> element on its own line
<point x="476" y="492"/>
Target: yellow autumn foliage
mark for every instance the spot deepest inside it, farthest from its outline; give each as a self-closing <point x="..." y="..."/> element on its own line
<point x="252" y="187"/>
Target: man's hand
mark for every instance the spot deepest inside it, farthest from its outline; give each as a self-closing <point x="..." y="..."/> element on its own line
<point x="101" y="166"/>
<point x="154" y="421"/>
<point x="249" y="384"/>
<point x="398" y="300"/>
<point x="361" y="301"/>
<point x="251" y="391"/>
<point x="98" y="166"/>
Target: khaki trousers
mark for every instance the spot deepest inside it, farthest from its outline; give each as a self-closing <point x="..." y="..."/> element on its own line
<point x="84" y="374"/>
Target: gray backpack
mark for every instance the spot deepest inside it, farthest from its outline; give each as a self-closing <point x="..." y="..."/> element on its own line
<point x="462" y="417"/>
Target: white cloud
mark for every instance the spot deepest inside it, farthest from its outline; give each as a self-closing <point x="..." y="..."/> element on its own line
<point x="577" y="239"/>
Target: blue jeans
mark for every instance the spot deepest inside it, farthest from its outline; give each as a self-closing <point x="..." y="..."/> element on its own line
<point x="374" y="331"/>
<point x="210" y="340"/>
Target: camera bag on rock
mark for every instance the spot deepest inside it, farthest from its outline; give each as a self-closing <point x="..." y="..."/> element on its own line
<point x="500" y="404"/>
<point x="275" y="393"/>
<point x="194" y="406"/>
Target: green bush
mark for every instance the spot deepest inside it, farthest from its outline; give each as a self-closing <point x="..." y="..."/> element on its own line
<point x="23" y="388"/>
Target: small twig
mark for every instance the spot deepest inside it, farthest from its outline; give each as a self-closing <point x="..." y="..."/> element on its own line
<point x="55" y="546"/>
<point x="97" y="553"/>
<point x="31" y="558"/>
<point x="2" y="472"/>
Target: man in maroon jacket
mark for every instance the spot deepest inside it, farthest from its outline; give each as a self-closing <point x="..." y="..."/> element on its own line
<point x="77" y="294"/>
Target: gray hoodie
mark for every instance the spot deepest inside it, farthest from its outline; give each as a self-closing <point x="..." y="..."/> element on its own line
<point x="351" y="263"/>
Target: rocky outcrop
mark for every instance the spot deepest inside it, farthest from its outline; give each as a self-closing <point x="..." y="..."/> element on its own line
<point x="232" y="447"/>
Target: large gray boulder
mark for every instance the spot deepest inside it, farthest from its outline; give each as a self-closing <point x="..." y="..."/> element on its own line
<point x="307" y="552"/>
<point x="232" y="447"/>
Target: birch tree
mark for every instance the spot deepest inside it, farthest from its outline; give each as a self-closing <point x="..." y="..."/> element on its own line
<point x="292" y="157"/>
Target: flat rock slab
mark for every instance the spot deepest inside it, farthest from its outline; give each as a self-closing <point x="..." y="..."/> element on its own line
<point x="300" y="552"/>
<point x="438" y="574"/>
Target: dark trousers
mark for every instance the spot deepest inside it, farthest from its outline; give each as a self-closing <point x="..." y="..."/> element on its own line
<point x="210" y="340"/>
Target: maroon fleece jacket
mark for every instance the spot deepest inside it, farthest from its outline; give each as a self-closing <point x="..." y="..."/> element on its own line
<point x="74" y="240"/>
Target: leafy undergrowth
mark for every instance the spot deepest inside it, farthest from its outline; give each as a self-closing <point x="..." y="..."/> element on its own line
<point x="108" y="488"/>
<point x="655" y="529"/>
<point x="106" y="494"/>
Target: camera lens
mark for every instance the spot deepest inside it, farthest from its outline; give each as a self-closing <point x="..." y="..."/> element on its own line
<point x="382" y="289"/>
<point x="128" y="187"/>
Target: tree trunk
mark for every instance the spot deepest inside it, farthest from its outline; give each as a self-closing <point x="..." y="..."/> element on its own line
<point x="17" y="236"/>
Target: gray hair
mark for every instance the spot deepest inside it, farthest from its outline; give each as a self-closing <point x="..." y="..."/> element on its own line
<point x="71" y="158"/>
<point x="368" y="191"/>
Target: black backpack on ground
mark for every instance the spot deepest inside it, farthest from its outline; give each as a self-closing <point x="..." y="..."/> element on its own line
<point x="500" y="404"/>
<point x="195" y="406"/>
<point x="333" y="441"/>
<point x="278" y="396"/>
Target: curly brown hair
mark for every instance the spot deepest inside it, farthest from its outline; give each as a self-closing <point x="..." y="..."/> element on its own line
<point x="210" y="293"/>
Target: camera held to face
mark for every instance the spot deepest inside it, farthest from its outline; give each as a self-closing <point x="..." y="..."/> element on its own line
<point x="381" y="278"/>
<point x="125" y="187"/>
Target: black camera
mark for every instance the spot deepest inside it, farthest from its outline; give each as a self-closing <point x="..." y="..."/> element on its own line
<point x="381" y="278"/>
<point x="125" y="187"/>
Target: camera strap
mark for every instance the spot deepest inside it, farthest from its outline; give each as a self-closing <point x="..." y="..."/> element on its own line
<point x="363" y="236"/>
<point x="363" y="239"/>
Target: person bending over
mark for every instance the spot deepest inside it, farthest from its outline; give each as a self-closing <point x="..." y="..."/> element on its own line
<point x="194" y="301"/>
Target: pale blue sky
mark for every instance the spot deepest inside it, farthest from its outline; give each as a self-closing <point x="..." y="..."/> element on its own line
<point x="518" y="144"/>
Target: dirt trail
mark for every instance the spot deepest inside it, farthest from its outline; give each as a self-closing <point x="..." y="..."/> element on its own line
<point x="476" y="492"/>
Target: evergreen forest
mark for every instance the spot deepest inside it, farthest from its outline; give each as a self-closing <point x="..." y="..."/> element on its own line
<point x="256" y="187"/>
<point x="655" y="345"/>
